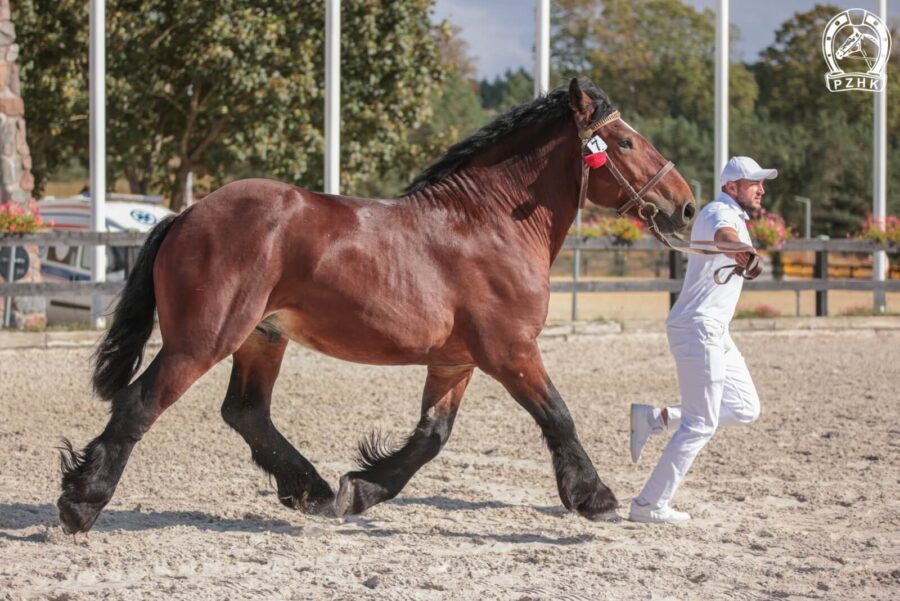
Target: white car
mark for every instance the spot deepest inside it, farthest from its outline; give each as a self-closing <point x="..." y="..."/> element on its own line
<point x="64" y="263"/>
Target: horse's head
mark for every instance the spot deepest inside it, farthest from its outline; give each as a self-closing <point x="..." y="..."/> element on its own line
<point x="630" y="176"/>
<point x="851" y="45"/>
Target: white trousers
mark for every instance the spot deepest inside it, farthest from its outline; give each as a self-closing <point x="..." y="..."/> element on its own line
<point x="716" y="389"/>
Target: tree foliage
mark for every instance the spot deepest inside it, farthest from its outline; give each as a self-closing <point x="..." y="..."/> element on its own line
<point x="231" y="86"/>
<point x="657" y="54"/>
<point x="54" y="81"/>
<point x="512" y="89"/>
<point x="235" y="88"/>
<point x="655" y="59"/>
<point x="456" y="112"/>
<point x="821" y="141"/>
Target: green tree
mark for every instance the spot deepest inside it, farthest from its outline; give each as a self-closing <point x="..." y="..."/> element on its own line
<point x="821" y="141"/>
<point x="54" y="82"/>
<point x="686" y="143"/>
<point x="654" y="57"/>
<point x="791" y="74"/>
<point x="216" y="88"/>
<point x="455" y="109"/>
<point x="508" y="91"/>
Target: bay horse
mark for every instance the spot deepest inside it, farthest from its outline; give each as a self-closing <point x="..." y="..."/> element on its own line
<point x="453" y="275"/>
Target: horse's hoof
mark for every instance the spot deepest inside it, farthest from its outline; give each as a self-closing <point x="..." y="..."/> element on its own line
<point x="608" y="516"/>
<point x="77" y="517"/>
<point x="343" y="498"/>
<point x="601" y="503"/>
<point x="355" y="496"/>
<point x="313" y="502"/>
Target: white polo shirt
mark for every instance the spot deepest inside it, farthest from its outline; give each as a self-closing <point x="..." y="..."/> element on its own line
<point x="701" y="298"/>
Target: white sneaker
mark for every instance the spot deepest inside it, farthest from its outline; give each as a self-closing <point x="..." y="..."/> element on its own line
<point x="642" y="426"/>
<point x="648" y="514"/>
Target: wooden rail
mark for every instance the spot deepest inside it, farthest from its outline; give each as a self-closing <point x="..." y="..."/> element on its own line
<point x="821" y="284"/>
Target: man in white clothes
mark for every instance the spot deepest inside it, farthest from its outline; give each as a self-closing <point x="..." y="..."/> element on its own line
<point x="716" y="388"/>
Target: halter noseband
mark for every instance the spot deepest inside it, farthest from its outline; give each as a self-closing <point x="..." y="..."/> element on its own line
<point x="645" y="210"/>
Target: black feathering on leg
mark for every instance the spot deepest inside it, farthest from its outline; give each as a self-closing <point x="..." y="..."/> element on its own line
<point x="84" y="495"/>
<point x="70" y="460"/>
<point x="78" y="468"/>
<point x="377" y="449"/>
<point x="386" y="466"/>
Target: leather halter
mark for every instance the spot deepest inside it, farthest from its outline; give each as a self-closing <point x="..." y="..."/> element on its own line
<point x="635" y="198"/>
<point x="647" y="211"/>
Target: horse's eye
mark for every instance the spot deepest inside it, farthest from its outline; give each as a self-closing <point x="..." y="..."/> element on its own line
<point x="626" y="143"/>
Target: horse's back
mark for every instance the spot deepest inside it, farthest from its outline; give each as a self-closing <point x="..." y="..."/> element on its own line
<point x="349" y="277"/>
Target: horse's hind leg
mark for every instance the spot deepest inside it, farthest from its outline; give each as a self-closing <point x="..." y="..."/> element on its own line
<point x="90" y="477"/>
<point x="246" y="409"/>
<point x="385" y="473"/>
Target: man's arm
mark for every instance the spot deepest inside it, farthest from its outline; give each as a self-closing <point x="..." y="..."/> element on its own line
<point x="730" y="235"/>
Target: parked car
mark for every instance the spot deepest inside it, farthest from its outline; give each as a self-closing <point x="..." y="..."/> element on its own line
<point x="64" y="263"/>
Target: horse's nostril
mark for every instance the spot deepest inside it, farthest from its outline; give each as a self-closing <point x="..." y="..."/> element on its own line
<point x="688" y="211"/>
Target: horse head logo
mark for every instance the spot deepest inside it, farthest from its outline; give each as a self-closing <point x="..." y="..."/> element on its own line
<point x="856" y="37"/>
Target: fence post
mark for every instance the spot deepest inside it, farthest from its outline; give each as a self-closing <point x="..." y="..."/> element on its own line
<point x="821" y="273"/>
<point x="10" y="276"/>
<point x="676" y="272"/>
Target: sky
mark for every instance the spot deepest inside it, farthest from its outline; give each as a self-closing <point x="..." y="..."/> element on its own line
<point x="500" y="33"/>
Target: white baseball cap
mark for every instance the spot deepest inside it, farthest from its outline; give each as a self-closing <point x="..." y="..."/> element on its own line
<point x="746" y="168"/>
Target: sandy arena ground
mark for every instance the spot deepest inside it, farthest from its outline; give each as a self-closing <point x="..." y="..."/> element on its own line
<point x="804" y="504"/>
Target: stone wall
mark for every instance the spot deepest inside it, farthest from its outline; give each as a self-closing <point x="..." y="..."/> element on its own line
<point x="16" y="181"/>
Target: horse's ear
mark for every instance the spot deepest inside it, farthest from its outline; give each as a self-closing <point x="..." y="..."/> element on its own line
<point x="581" y="103"/>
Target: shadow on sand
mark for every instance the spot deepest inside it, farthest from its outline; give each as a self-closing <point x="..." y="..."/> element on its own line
<point x="20" y="516"/>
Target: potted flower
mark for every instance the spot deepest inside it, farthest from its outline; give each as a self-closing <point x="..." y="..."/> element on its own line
<point x="884" y="231"/>
<point x="17" y="220"/>
<point x="624" y="230"/>
<point x="769" y="230"/>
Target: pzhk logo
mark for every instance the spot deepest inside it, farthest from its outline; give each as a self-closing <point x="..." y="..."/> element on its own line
<point x="856" y="51"/>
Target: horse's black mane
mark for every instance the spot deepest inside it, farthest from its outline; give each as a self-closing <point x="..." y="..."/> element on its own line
<point x="554" y="105"/>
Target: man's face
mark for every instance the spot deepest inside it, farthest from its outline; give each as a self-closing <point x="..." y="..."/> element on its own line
<point x="748" y="193"/>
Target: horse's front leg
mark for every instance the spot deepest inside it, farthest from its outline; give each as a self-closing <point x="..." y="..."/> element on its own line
<point x="521" y="371"/>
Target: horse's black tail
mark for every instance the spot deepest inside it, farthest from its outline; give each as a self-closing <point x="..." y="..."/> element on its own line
<point x="120" y="352"/>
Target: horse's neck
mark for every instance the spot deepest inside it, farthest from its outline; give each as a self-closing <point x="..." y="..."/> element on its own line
<point x="552" y="188"/>
<point x="531" y="194"/>
<point x="559" y="186"/>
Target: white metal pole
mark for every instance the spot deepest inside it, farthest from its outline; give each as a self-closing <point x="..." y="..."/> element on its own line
<point x="332" y="96"/>
<point x="189" y="189"/>
<point x="879" y="160"/>
<point x="721" y="127"/>
<point x="97" y="82"/>
<point x="542" y="48"/>
<point x="807" y="215"/>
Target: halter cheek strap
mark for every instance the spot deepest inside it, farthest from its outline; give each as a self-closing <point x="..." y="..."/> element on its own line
<point x="645" y="209"/>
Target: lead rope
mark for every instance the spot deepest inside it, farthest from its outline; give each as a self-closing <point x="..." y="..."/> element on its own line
<point x="750" y="272"/>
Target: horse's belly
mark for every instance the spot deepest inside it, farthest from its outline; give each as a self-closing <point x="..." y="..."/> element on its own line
<point x="362" y="339"/>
